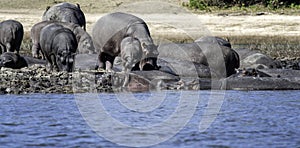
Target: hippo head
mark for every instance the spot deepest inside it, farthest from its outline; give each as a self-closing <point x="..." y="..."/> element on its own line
<point x="149" y="60"/>
<point x="8" y="60"/>
<point x="65" y="61"/>
<point x="12" y="60"/>
<point x="86" y="46"/>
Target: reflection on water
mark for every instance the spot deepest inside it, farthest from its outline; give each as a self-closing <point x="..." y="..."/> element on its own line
<point x="246" y="119"/>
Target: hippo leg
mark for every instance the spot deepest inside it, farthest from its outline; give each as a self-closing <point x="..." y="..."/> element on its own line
<point x="126" y="69"/>
<point x="8" y="48"/>
<point x="101" y="60"/>
<point x="18" y="48"/>
<point x="108" y="60"/>
<point x="35" y="51"/>
<point x="2" y="48"/>
<point x="109" y="63"/>
<point x="43" y="55"/>
<point x="54" y="65"/>
<point x="49" y="67"/>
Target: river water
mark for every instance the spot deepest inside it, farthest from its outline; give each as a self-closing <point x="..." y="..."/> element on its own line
<point x="245" y="119"/>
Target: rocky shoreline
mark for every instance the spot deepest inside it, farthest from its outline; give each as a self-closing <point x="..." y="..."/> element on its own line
<point x="36" y="79"/>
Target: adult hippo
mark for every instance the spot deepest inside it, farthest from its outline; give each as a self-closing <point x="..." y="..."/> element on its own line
<point x="11" y="35"/>
<point x="111" y="29"/>
<point x="84" y="40"/>
<point x="65" y="12"/>
<point x="221" y="59"/>
<point x="15" y="61"/>
<point x="59" y="47"/>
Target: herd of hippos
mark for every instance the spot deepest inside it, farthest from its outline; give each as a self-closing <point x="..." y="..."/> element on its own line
<point x="61" y="36"/>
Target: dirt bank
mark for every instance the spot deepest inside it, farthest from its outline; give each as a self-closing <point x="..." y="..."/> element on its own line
<point x="181" y="23"/>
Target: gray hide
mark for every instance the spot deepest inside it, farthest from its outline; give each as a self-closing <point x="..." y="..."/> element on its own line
<point x="220" y="59"/>
<point x="65" y="12"/>
<point x="214" y="39"/>
<point x="15" y="61"/>
<point x="131" y="53"/>
<point x="11" y="35"/>
<point x="59" y="47"/>
<point x="255" y="59"/>
<point x="85" y="42"/>
<point x="184" y="68"/>
<point x="111" y="29"/>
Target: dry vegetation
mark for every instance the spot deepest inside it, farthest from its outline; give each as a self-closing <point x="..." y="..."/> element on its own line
<point x="29" y="12"/>
<point x="89" y="6"/>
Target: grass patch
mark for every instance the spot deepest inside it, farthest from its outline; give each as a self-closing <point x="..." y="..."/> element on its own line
<point x="89" y="6"/>
<point x="274" y="46"/>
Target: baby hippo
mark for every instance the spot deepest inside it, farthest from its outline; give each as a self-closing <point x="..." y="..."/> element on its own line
<point x="131" y="54"/>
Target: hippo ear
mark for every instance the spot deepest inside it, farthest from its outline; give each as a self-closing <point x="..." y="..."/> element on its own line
<point x="47" y="8"/>
<point x="144" y="46"/>
<point x="78" y="6"/>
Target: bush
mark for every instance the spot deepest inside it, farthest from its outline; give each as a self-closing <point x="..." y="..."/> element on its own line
<point x="203" y="4"/>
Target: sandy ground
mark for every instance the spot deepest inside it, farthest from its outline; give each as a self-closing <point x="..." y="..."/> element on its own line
<point x="188" y="24"/>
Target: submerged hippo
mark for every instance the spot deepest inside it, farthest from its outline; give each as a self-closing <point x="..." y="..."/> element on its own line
<point x="111" y="29"/>
<point x="65" y="12"/>
<point x="59" y="47"/>
<point x="84" y="40"/>
<point x="11" y="35"/>
<point x="15" y="61"/>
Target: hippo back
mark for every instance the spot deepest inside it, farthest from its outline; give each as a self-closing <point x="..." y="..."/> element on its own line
<point x="110" y="30"/>
<point x="221" y="59"/>
<point x="85" y="43"/>
<point x="66" y="12"/>
<point x="186" y="51"/>
<point x="214" y="39"/>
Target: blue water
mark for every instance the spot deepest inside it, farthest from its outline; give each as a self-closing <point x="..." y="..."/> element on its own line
<point x="246" y="119"/>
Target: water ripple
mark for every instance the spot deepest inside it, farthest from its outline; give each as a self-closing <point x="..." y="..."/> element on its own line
<point x="246" y="119"/>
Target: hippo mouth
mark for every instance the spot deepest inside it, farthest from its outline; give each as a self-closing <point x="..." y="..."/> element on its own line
<point x="149" y="64"/>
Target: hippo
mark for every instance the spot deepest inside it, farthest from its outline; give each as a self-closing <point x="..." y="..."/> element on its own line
<point x="84" y="40"/>
<point x="58" y="45"/>
<point x="203" y="53"/>
<point x="111" y="29"/>
<point x="131" y="54"/>
<point x="255" y="59"/>
<point x="16" y="61"/>
<point x="65" y="12"/>
<point x="214" y="39"/>
<point x="11" y="35"/>
<point x="184" y="68"/>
